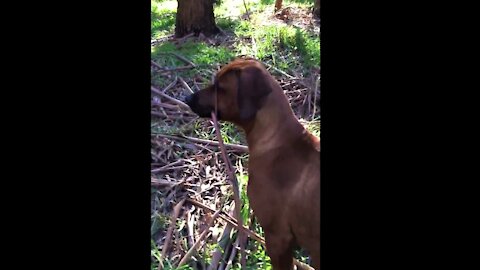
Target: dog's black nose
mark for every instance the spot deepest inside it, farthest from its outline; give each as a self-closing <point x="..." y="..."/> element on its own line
<point x="188" y="100"/>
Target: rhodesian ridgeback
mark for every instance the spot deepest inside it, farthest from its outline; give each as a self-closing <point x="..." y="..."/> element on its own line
<point x="284" y="159"/>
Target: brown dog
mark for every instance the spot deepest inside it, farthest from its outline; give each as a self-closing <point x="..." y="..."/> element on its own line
<point x="284" y="160"/>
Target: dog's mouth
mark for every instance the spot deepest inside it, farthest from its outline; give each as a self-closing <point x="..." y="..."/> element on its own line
<point x="202" y="111"/>
<point x="205" y="112"/>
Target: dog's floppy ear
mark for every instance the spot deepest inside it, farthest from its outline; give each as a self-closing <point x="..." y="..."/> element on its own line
<point x="253" y="86"/>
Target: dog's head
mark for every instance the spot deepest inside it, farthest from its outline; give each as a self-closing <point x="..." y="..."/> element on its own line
<point x="241" y="88"/>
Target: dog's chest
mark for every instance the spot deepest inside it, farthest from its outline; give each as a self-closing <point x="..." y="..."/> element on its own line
<point x="267" y="196"/>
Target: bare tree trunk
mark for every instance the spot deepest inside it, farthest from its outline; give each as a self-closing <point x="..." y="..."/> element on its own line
<point x="278" y="4"/>
<point x="195" y="16"/>
<point x="316" y="9"/>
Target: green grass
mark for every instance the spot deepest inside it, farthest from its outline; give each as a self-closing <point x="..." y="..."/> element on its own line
<point x="156" y="253"/>
<point x="229" y="8"/>
<point x="162" y="18"/>
<point x="314" y="127"/>
<point x="280" y="42"/>
<point x="227" y="23"/>
<point x="201" y="54"/>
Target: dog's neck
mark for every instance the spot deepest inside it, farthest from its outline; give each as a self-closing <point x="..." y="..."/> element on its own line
<point x="274" y="125"/>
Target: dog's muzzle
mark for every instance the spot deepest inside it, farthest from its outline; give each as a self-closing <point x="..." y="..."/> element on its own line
<point x="189" y="100"/>
<point x="202" y="111"/>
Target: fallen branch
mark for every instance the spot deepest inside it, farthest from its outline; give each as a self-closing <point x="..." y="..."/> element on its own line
<point x="217" y="253"/>
<point x="232" y="255"/>
<point x="228" y="249"/>
<point x="162" y="39"/>
<point x="172" y="84"/>
<point x="168" y="106"/>
<point x="156" y="65"/>
<point x="168" y="165"/>
<point x="176" y="212"/>
<point x="186" y="85"/>
<point x="185" y="60"/>
<point x="174" y="168"/>
<point x="280" y="71"/>
<point x="184" y="37"/>
<point x="236" y="191"/>
<point x="317" y="86"/>
<point x="246" y="10"/>
<point x="171" y="68"/>
<point x="158" y="114"/>
<point x="191" y="232"/>
<point x="238" y="147"/>
<point x="302" y="266"/>
<point x="231" y="220"/>
<point x="161" y="182"/>
<point x="189" y="63"/>
<point x="174" y="100"/>
<point x="199" y="240"/>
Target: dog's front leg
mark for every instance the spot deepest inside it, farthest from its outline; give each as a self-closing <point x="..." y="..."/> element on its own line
<point x="280" y="250"/>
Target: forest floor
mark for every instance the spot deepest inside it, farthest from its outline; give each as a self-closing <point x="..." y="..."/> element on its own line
<point x="188" y="176"/>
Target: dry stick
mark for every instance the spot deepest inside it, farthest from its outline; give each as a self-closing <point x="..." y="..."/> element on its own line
<point x="231" y="220"/>
<point x="234" y="247"/>
<point x="191" y="232"/>
<point x="199" y="240"/>
<point x="185" y="84"/>
<point x="168" y="165"/>
<point x="280" y="71"/>
<point x="246" y="10"/>
<point x="226" y="254"/>
<point x="157" y="65"/>
<point x="170" y="116"/>
<point x="254" y="45"/>
<point x="185" y="60"/>
<point x="172" y="84"/>
<point x="161" y="182"/>
<point x="223" y="241"/>
<point x="239" y="147"/>
<point x="176" y="211"/>
<point x="185" y="37"/>
<point x="223" y="33"/>
<point x="173" y="168"/>
<point x="158" y="114"/>
<point x="317" y="85"/>
<point x="182" y="58"/>
<point x="196" y="85"/>
<point x="174" y="100"/>
<point x="236" y="191"/>
<point x="232" y="255"/>
<point x="193" y="249"/>
<point x="170" y="68"/>
<point x="162" y="39"/>
<point x="302" y="266"/>
<point x="217" y="253"/>
<point x="204" y="148"/>
<point x="199" y="204"/>
<point x="179" y="247"/>
<point x="168" y="106"/>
